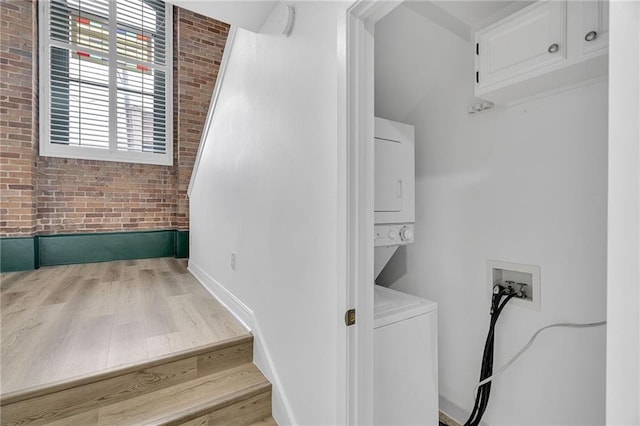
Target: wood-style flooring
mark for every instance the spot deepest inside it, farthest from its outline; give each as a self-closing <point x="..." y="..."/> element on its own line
<point x="65" y="322"/>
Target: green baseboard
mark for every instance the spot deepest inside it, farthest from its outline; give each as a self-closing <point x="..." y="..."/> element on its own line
<point x="17" y="254"/>
<point x="182" y="244"/>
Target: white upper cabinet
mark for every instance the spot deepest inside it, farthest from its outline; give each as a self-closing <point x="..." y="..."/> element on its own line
<point x="525" y="42"/>
<point x="595" y="26"/>
<point x="547" y="46"/>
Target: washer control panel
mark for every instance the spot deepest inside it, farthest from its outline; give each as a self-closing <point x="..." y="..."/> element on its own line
<point x="393" y="234"/>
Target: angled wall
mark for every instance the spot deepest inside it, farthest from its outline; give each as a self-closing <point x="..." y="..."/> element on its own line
<point x="266" y="193"/>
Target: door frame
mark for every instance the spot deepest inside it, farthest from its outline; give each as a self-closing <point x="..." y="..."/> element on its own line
<point x="356" y="124"/>
<point x="623" y="233"/>
<point x="356" y="128"/>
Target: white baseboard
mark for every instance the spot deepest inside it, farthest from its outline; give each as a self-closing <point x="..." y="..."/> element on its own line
<point x="281" y="408"/>
<point x="234" y="305"/>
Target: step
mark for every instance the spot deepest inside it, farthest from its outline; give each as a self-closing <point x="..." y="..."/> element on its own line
<point x="81" y="395"/>
<point x="238" y="396"/>
<point x="265" y="422"/>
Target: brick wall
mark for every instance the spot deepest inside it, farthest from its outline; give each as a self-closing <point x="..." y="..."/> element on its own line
<point x="199" y="43"/>
<point x="18" y="118"/>
<point x="100" y="196"/>
<point x="48" y="195"/>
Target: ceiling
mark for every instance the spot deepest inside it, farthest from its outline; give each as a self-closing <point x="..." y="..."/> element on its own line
<point x="465" y="17"/>
<point x="474" y="13"/>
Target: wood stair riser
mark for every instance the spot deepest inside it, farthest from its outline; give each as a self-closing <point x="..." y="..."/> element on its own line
<point x="187" y="400"/>
<point x="249" y="411"/>
<point x="265" y="422"/>
<point x="63" y="401"/>
<point x="241" y="413"/>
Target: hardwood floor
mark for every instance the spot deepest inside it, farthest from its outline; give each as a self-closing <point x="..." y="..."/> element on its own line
<point x="67" y="322"/>
<point x="446" y="420"/>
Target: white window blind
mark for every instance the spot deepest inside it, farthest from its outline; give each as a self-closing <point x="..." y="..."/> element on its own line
<point x="106" y="76"/>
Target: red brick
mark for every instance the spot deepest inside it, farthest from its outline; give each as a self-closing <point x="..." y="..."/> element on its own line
<point x="47" y="195"/>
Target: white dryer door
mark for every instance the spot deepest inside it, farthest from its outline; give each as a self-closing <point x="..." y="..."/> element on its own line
<point x="389" y="162"/>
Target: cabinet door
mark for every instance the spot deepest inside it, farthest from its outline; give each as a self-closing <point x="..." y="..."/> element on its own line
<point x="523" y="43"/>
<point x="595" y="26"/>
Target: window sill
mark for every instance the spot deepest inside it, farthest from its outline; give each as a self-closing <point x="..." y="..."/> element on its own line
<point x="63" y="151"/>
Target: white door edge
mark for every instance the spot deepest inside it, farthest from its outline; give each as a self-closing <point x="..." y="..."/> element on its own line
<point x="356" y="131"/>
<point x="623" y="234"/>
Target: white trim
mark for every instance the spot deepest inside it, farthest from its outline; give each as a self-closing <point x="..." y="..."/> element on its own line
<point x="43" y="79"/>
<point x="343" y="391"/>
<point x="65" y="151"/>
<point x="356" y="88"/>
<point x="48" y="149"/>
<point x="212" y="106"/>
<point x="281" y="406"/>
<point x="623" y="217"/>
<point x="234" y="305"/>
<point x="113" y="83"/>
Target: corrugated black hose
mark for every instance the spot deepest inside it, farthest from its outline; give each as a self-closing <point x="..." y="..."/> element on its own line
<point x="486" y="368"/>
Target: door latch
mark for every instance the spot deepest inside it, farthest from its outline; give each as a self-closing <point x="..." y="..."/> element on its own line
<point x="350" y="317"/>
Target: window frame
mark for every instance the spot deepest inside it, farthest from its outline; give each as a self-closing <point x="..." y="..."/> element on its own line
<point x="49" y="149"/>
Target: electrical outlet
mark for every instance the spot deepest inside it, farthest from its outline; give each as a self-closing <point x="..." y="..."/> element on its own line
<point x="520" y="277"/>
<point x="234" y="259"/>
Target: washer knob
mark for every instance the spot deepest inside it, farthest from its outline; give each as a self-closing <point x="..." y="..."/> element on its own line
<point x="406" y="234"/>
<point x="392" y="235"/>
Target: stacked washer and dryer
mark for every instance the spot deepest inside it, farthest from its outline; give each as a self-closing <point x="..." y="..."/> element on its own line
<point x="405" y="326"/>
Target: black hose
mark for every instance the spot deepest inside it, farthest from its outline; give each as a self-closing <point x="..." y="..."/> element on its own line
<point x="486" y="367"/>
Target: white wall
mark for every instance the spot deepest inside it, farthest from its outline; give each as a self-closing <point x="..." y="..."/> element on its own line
<point x="247" y="14"/>
<point x="267" y="190"/>
<point x="526" y="184"/>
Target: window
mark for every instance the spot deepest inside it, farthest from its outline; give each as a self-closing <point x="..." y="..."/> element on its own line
<point x="106" y="80"/>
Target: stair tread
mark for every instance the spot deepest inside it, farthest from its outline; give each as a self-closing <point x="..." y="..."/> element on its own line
<point x="269" y="421"/>
<point x="190" y="398"/>
<point x="121" y="370"/>
<point x="67" y="400"/>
